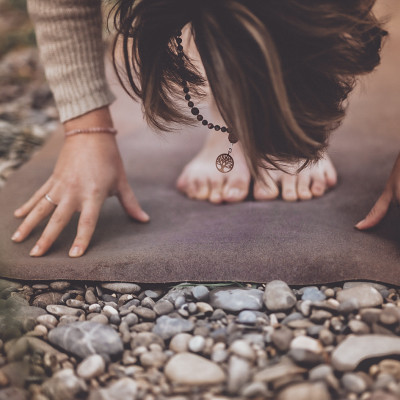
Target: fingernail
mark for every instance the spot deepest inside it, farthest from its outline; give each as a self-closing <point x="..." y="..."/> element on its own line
<point x="17" y="211"/>
<point x="34" y="251"/>
<point x="16" y="235"/>
<point x="359" y="224"/>
<point x="145" y="215"/>
<point x="75" y="251"/>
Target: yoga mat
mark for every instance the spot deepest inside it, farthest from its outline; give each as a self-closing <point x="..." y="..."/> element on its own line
<point x="302" y="243"/>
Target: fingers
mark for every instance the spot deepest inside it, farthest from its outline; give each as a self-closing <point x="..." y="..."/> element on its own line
<point x="130" y="204"/>
<point x="28" y="206"/>
<point x="41" y="211"/>
<point x="86" y="226"/>
<point x="58" y="221"/>
<point x="377" y="212"/>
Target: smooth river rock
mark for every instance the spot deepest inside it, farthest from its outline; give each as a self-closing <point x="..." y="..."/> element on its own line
<point x="236" y="299"/>
<point x="166" y="327"/>
<point x="354" y="349"/>
<point x="365" y="295"/>
<point x="85" y="338"/>
<point x="193" y="370"/>
<point x="121" y="287"/>
<point x="278" y="296"/>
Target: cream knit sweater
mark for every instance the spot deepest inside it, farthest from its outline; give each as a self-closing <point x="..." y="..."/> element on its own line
<point x="69" y="35"/>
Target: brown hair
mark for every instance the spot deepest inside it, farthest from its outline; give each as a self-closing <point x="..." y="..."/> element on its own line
<point x="279" y="70"/>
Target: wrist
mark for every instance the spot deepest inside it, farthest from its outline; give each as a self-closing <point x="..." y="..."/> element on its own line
<point x="99" y="118"/>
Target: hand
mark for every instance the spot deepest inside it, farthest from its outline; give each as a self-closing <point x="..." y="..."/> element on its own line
<point x="390" y="194"/>
<point x="88" y="170"/>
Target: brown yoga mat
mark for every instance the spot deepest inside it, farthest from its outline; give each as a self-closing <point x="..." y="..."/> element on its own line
<point x="186" y="240"/>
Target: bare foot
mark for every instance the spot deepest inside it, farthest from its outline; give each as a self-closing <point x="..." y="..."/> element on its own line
<point x="313" y="181"/>
<point x="201" y="180"/>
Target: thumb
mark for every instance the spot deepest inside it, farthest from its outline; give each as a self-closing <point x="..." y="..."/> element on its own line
<point x="130" y="204"/>
<point x="377" y="212"/>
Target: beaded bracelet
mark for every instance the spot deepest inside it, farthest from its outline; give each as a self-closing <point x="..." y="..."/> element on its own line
<point x="224" y="162"/>
<point x="111" y="131"/>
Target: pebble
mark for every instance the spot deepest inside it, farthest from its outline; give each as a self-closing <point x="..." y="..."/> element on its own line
<point x="96" y="308"/>
<point x="131" y="319"/>
<point x="145" y="313"/>
<point x="145" y="339"/>
<point x="306" y="343"/>
<point x="375" y="285"/>
<point x="354" y="349"/>
<point x="236" y="299"/>
<point x="163" y="307"/>
<point x="124" y="388"/>
<point x="274" y="372"/>
<point x="193" y="370"/>
<point x="166" y="327"/>
<point x="60" y="285"/>
<point x="122" y="287"/>
<point x="63" y="310"/>
<point x="278" y="296"/>
<point x="238" y="373"/>
<point x="90" y="297"/>
<point x="154" y="359"/>
<point x="390" y="316"/>
<point x="100" y="319"/>
<point x="109" y="311"/>
<point x="247" y="317"/>
<point x="180" y="342"/>
<point x="391" y="367"/>
<point x="85" y="338"/>
<point x="75" y="303"/>
<point x="44" y="299"/>
<point x="353" y="383"/>
<point x="50" y="321"/>
<point x="153" y="294"/>
<point x="65" y="385"/>
<point x="243" y="349"/>
<point x="366" y="295"/>
<point x="320" y="372"/>
<point x="358" y="327"/>
<point x="91" y="367"/>
<point x="255" y="390"/>
<point x="206" y="309"/>
<point x="312" y="293"/>
<point x="197" y="343"/>
<point x="281" y="338"/>
<point x="305" y="391"/>
<point x="200" y="293"/>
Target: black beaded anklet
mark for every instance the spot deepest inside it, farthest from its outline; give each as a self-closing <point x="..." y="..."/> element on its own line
<point x="224" y="162"/>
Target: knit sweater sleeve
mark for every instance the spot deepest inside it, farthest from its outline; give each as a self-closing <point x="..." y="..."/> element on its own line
<point x="69" y="36"/>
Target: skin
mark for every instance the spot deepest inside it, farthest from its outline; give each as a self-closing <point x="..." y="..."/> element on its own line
<point x="88" y="170"/>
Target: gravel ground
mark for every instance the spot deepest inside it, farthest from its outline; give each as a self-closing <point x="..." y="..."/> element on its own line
<point x="74" y="340"/>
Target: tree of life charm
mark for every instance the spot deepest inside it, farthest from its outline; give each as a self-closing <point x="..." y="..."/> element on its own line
<point x="224" y="163"/>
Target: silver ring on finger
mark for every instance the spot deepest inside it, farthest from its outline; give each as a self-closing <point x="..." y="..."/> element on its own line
<point x="50" y="200"/>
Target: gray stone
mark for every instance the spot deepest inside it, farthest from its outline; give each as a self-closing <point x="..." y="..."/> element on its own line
<point x="122" y="287"/>
<point x="100" y="319"/>
<point x="193" y="370"/>
<point x="7" y="284"/>
<point x="124" y="388"/>
<point x="63" y="310"/>
<point x="366" y="295"/>
<point x="305" y="391"/>
<point x="90" y="297"/>
<point x="247" y="317"/>
<point x="163" y="307"/>
<point x="166" y="327"/>
<point x="278" y="296"/>
<point x="13" y="393"/>
<point x="352" y="284"/>
<point x="200" y="293"/>
<point x="153" y="294"/>
<point x="175" y="292"/>
<point x="312" y="293"/>
<point x="354" y="349"/>
<point x="145" y="313"/>
<point x="255" y="389"/>
<point x="320" y="372"/>
<point x="236" y="299"/>
<point x="91" y="367"/>
<point x="238" y="373"/>
<point x="145" y="339"/>
<point x="358" y="327"/>
<point x="353" y="383"/>
<point x="64" y="385"/>
<point x="281" y="338"/>
<point x="75" y="303"/>
<point x="86" y="338"/>
<point x="131" y="319"/>
<point x="109" y="310"/>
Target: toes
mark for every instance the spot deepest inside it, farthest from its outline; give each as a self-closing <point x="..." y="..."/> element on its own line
<point x="203" y="190"/>
<point x="216" y="191"/>
<point x="267" y="190"/>
<point x="318" y="185"/>
<point x="303" y="186"/>
<point x="235" y="190"/>
<point x="331" y="175"/>
<point x="289" y="192"/>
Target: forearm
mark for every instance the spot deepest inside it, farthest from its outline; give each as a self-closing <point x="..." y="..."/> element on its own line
<point x="69" y="35"/>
